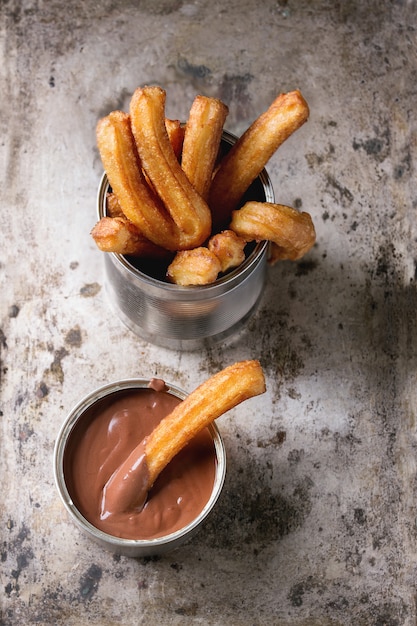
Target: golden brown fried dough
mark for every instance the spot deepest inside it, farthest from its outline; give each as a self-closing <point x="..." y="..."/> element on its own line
<point x="139" y="204"/>
<point x="252" y="151"/>
<point x="198" y="266"/>
<point x="291" y="231"/>
<point x="228" y="248"/>
<point x="202" y="138"/>
<point x="218" y="394"/>
<point x="113" y="208"/>
<point x="119" y="235"/>
<point x="222" y="392"/>
<point x="160" y="172"/>
<point x="176" y="135"/>
<point x="185" y="207"/>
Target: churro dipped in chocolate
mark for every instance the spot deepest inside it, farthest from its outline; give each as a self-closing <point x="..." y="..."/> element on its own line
<point x="128" y="487"/>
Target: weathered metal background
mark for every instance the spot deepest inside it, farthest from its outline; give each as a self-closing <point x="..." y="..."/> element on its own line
<point x="317" y="523"/>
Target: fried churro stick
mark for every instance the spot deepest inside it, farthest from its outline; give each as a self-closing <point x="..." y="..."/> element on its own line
<point x="203" y="133"/>
<point x="176" y="135"/>
<point x="198" y="266"/>
<point x="129" y="485"/>
<point x="275" y="254"/>
<point x="252" y="151"/>
<point x="139" y="204"/>
<point x="292" y="232"/>
<point x="119" y="235"/>
<point x="113" y="208"/>
<point x="228" y="248"/>
<point x="189" y="212"/>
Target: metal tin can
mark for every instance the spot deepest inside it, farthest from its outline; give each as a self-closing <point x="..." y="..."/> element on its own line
<point x="79" y="418"/>
<point x="185" y="318"/>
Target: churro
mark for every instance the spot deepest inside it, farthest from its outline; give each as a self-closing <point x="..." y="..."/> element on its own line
<point x="229" y="248"/>
<point x="113" y="208"/>
<point x="176" y="135"/>
<point x="139" y="204"/>
<point x="199" y="266"/>
<point x="291" y="231"/>
<point x="172" y="184"/>
<point x="252" y="151"/>
<point x="203" y="133"/>
<point x="129" y="485"/>
<point x="188" y="211"/>
<point x="119" y="235"/>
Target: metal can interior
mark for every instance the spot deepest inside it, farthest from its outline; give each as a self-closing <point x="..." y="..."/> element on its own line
<point x="129" y="547"/>
<point x="186" y="317"/>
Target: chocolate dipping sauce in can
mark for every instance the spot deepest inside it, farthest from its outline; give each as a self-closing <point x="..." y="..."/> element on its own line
<point x="77" y="473"/>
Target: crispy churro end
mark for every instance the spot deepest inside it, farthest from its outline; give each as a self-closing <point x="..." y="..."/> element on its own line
<point x="258" y="383"/>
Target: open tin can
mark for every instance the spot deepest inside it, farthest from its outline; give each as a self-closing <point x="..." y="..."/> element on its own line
<point x="76" y="424"/>
<point x="186" y="318"/>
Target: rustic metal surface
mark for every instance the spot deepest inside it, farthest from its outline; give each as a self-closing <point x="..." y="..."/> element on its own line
<point x="317" y="523"/>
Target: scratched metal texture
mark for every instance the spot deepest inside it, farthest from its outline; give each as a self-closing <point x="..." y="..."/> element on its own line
<point x="317" y="522"/>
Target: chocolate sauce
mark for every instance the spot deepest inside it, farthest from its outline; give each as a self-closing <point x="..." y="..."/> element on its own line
<point x="103" y="441"/>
